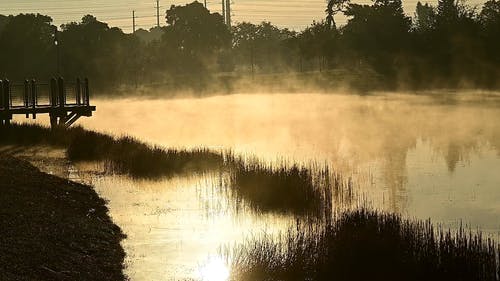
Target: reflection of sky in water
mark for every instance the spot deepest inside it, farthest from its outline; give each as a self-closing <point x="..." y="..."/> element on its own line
<point x="470" y="192"/>
<point x="425" y="156"/>
<point x="427" y="188"/>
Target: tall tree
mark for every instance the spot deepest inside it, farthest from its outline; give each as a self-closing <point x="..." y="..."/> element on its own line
<point x="192" y="28"/>
<point x="447" y="13"/>
<point x="194" y="38"/>
<point x="91" y="48"/>
<point x="490" y="15"/>
<point x="425" y="17"/>
<point x="333" y="7"/>
<point x="262" y="45"/>
<point x="378" y="33"/>
<point x="3" y="22"/>
<point x="318" y="43"/>
<point x="27" y="48"/>
<point x="490" y="21"/>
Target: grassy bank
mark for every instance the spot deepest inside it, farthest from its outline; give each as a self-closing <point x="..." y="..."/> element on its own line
<point x="367" y="245"/>
<point x="293" y="189"/>
<point x="120" y="155"/>
<point x="53" y="229"/>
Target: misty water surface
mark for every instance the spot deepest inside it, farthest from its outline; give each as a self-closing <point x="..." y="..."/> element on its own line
<point x="427" y="156"/>
<point x="406" y="149"/>
<point x="431" y="155"/>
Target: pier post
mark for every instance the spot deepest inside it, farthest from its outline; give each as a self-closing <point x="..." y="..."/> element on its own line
<point x="34" y="99"/>
<point x="53" y="92"/>
<point x="78" y="91"/>
<point x="6" y="101"/>
<point x="53" y="120"/>
<point x="62" y="90"/>
<point x="53" y="102"/>
<point x="27" y="99"/>
<point x="1" y="93"/>
<point x="87" y="94"/>
<point x="6" y="94"/>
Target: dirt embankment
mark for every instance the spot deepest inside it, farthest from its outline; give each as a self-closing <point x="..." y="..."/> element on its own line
<point x="54" y="229"/>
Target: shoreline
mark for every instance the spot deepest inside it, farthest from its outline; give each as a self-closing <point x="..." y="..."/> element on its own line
<point x="54" y="229"/>
<point x="468" y="250"/>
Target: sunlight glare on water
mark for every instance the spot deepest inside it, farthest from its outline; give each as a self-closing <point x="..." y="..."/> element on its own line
<point x="215" y="269"/>
<point x="428" y="155"/>
<point x="175" y="226"/>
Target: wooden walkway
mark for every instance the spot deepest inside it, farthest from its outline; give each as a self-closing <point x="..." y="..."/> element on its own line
<point x="64" y="102"/>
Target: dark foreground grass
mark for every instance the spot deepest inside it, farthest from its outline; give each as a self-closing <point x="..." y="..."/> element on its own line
<point x="367" y="245"/>
<point x="53" y="229"/>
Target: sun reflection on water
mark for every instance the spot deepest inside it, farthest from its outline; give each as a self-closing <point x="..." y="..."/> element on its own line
<point x="215" y="269"/>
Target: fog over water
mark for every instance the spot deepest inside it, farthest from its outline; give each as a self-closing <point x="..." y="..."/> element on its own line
<point x="426" y="155"/>
<point x="287" y="129"/>
<point x="405" y="149"/>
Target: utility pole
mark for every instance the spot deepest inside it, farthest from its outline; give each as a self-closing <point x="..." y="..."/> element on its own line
<point x="205" y="4"/>
<point x="133" y="22"/>
<point x="228" y="13"/>
<point x="224" y="10"/>
<point x="136" y="55"/>
<point x="158" y="13"/>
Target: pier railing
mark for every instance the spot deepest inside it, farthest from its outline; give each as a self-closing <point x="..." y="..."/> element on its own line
<point x="64" y="101"/>
<point x="35" y="94"/>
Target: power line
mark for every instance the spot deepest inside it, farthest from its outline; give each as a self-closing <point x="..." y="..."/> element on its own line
<point x="294" y="13"/>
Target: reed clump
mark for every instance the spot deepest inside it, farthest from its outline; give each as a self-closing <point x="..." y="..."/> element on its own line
<point x="367" y="245"/>
<point x="137" y="159"/>
<point x="284" y="188"/>
<point x="265" y="188"/>
<point x="120" y="155"/>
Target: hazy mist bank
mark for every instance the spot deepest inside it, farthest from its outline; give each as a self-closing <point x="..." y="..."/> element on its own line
<point x="433" y="155"/>
<point x="359" y="82"/>
<point x="450" y="45"/>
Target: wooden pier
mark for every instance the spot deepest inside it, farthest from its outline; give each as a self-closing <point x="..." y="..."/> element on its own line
<point x="64" y="102"/>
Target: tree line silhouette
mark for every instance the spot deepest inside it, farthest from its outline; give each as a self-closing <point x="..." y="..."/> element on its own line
<point x="449" y="45"/>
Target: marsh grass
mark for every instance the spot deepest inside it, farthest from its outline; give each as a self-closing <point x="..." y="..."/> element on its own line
<point x="367" y="245"/>
<point x="281" y="188"/>
<point x="275" y="187"/>
<point x="120" y="155"/>
<point x="353" y="245"/>
<point x="137" y="159"/>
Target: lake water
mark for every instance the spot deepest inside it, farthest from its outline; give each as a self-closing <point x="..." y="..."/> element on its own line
<point x="426" y="155"/>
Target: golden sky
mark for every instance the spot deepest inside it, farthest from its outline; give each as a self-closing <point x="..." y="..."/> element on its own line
<point x="293" y="14"/>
